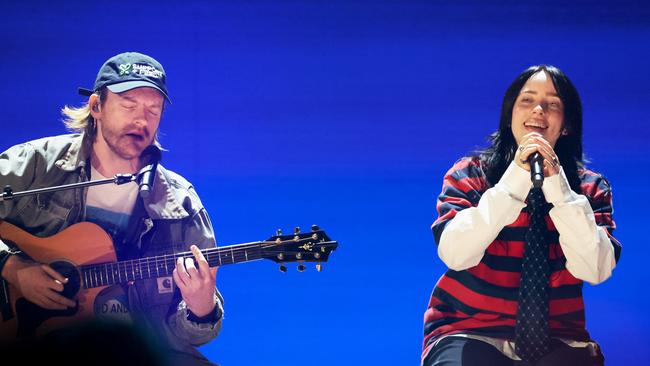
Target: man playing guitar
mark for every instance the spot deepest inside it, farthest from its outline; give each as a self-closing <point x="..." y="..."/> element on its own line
<point x="119" y="121"/>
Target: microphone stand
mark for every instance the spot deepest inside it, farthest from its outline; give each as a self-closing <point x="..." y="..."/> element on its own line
<point x="8" y="193"/>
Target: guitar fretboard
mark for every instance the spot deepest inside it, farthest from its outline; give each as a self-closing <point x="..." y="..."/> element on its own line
<point x="106" y="274"/>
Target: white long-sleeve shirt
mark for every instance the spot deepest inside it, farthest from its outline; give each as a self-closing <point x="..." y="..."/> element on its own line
<point x="588" y="250"/>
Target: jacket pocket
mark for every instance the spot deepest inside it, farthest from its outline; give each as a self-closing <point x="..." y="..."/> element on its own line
<point x="46" y="214"/>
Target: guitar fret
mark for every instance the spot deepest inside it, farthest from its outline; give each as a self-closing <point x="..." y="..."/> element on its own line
<point x="126" y="275"/>
<point x="232" y="255"/>
<point x="101" y="276"/>
<point x="148" y="268"/>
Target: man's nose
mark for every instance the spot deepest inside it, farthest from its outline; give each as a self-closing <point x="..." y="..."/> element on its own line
<point x="141" y="116"/>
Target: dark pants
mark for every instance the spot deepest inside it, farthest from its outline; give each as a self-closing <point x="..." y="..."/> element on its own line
<point x="460" y="351"/>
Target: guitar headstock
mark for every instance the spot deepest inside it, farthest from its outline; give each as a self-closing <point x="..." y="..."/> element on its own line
<point x="313" y="246"/>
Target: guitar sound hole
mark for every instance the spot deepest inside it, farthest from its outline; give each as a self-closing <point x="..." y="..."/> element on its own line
<point x="69" y="271"/>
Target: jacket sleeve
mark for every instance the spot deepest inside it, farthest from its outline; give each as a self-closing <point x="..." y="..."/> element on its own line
<point x="17" y="169"/>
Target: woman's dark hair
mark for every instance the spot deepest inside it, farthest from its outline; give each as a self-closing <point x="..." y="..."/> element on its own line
<point x="496" y="158"/>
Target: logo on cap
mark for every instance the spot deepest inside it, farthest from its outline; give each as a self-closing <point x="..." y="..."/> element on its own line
<point x="124" y="69"/>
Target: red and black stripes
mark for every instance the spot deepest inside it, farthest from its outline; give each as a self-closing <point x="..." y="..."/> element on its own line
<point x="483" y="299"/>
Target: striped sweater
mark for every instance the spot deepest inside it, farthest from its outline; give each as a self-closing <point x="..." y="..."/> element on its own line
<point x="483" y="299"/>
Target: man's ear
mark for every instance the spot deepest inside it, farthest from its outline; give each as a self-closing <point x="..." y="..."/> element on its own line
<point x="94" y="105"/>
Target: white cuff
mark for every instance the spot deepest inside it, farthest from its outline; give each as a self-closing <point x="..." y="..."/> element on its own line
<point x="516" y="182"/>
<point x="557" y="190"/>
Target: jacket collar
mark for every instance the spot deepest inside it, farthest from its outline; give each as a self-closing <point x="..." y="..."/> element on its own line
<point x="77" y="154"/>
<point x="164" y="203"/>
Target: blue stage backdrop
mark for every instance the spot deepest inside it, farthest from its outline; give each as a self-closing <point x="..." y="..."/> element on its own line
<point x="346" y="115"/>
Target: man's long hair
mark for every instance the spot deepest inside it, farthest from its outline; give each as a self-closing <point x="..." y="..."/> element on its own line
<point x="496" y="158"/>
<point x="79" y="119"/>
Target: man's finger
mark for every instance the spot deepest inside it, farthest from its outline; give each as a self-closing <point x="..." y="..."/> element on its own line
<point x="55" y="285"/>
<point x="59" y="299"/>
<point x="182" y="271"/>
<point x="191" y="268"/>
<point x="46" y="303"/>
<point x="204" y="267"/>
<point x="54" y="274"/>
<point x="178" y="279"/>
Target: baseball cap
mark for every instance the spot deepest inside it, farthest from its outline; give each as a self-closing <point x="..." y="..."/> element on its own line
<point x="129" y="70"/>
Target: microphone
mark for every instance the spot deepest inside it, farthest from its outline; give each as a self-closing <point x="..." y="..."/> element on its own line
<point x="150" y="158"/>
<point x="536" y="162"/>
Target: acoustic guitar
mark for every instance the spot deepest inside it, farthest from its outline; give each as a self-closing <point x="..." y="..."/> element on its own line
<point x="84" y="254"/>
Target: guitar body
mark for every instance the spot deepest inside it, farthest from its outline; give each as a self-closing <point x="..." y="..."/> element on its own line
<point x="80" y="244"/>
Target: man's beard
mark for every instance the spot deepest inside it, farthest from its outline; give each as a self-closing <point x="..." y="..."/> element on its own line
<point x="121" y="144"/>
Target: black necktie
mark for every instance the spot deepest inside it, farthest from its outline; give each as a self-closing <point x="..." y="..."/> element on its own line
<point x="531" y="331"/>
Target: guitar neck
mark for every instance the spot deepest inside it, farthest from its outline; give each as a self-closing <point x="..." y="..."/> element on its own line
<point x="106" y="274"/>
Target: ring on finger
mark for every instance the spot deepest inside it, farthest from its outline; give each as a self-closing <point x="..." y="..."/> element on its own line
<point x="521" y="148"/>
<point x="555" y="162"/>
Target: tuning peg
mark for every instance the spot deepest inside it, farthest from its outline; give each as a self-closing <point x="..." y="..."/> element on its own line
<point x="283" y="268"/>
<point x="278" y="232"/>
<point x="319" y="267"/>
<point x="301" y="267"/>
<point x="296" y="230"/>
<point x="315" y="228"/>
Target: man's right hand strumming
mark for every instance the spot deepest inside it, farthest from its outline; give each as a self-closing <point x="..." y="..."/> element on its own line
<point x="39" y="283"/>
